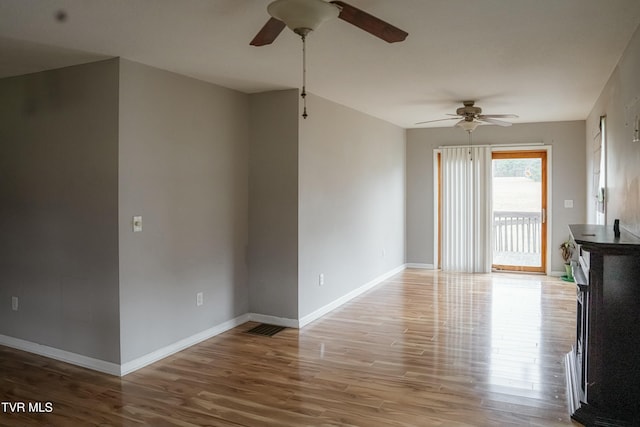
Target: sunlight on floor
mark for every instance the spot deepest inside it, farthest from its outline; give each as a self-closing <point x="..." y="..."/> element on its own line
<point x="516" y="318"/>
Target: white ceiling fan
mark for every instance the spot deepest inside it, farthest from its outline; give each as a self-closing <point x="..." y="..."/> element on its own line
<point x="469" y="117"/>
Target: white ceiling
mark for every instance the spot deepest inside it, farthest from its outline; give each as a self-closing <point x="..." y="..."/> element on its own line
<point x="545" y="60"/>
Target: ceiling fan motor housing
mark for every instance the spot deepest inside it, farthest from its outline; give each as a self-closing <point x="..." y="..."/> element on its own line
<point x="468" y="111"/>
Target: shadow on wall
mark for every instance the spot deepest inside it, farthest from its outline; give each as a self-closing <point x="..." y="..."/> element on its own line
<point x="631" y="206"/>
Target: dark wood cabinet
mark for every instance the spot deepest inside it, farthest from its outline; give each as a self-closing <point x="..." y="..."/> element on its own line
<point x="603" y="369"/>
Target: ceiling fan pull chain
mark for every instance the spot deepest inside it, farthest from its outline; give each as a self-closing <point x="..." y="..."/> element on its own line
<point x="304" y="77"/>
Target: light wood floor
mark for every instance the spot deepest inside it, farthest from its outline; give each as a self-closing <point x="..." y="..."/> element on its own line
<point x="423" y="349"/>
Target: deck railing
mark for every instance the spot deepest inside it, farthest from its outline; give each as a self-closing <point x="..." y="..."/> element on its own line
<point x="516" y="231"/>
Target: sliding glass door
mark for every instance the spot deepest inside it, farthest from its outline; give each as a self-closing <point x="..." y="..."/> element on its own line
<point x="515" y="223"/>
<point x="519" y="218"/>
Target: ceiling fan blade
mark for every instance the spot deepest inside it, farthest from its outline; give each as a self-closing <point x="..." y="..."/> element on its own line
<point x="439" y="120"/>
<point x="498" y="116"/>
<point x="370" y="23"/>
<point x="268" y="33"/>
<point x="494" y="121"/>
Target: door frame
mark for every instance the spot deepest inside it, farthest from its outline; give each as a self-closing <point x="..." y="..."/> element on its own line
<point x="529" y="154"/>
<point x="437" y="226"/>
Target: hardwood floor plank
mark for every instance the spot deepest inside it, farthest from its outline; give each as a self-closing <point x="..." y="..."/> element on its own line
<point x="425" y="348"/>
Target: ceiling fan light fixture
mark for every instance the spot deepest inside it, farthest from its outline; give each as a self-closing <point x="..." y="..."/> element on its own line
<point x="303" y="15"/>
<point x="468" y="126"/>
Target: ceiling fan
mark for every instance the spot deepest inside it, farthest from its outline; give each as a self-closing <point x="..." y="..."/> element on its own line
<point x="304" y="16"/>
<point x="470" y="117"/>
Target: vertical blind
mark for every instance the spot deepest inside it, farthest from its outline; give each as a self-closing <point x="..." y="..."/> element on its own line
<point x="466" y="209"/>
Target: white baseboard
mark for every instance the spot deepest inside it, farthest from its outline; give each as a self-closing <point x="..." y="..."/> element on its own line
<point x="62" y="355"/>
<point x="557" y="273"/>
<point x="273" y="320"/>
<point x="140" y="362"/>
<point x="419" y="265"/>
<point x="348" y="297"/>
<point x="161" y="353"/>
<point x="125" y="368"/>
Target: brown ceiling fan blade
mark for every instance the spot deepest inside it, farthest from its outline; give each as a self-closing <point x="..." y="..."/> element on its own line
<point x="438" y="120"/>
<point x="499" y="116"/>
<point x="268" y="33"/>
<point x="370" y="23"/>
<point x="493" y="121"/>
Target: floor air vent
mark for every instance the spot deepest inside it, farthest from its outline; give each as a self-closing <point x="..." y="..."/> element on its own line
<point x="265" y="330"/>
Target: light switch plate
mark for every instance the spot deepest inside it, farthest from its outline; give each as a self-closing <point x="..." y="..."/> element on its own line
<point x="568" y="203"/>
<point x="137" y="224"/>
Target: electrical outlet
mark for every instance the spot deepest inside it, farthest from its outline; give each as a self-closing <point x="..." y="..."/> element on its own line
<point x="321" y="279"/>
<point x="199" y="299"/>
<point x="14" y="303"/>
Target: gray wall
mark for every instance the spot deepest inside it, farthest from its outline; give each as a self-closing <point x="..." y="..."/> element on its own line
<point x="273" y="212"/>
<point x="567" y="175"/>
<point x="183" y="166"/>
<point x="352" y="201"/>
<point x="620" y="102"/>
<point x="58" y="210"/>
